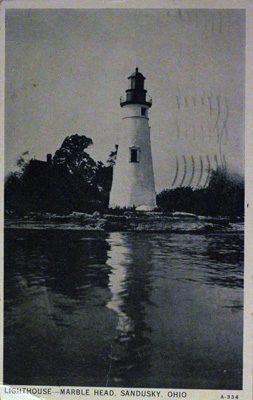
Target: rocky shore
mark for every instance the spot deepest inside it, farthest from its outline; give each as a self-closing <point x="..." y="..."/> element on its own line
<point x="126" y="222"/>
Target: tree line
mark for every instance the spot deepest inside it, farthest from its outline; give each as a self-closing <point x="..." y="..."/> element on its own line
<point x="72" y="181"/>
<point x="69" y="181"/>
<point x="223" y="197"/>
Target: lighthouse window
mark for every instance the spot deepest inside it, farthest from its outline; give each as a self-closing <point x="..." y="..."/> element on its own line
<point x="134" y="154"/>
<point x="143" y="111"/>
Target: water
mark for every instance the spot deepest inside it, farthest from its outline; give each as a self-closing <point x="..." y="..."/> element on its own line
<point x="123" y="309"/>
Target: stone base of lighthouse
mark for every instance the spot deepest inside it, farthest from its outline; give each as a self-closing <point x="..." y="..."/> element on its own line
<point x="133" y="177"/>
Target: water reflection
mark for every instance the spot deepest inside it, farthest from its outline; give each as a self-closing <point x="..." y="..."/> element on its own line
<point x="159" y="285"/>
<point x="130" y="284"/>
<point x="123" y="309"/>
<point x="69" y="263"/>
<point x="56" y="288"/>
<point x="226" y="256"/>
<point x="219" y="258"/>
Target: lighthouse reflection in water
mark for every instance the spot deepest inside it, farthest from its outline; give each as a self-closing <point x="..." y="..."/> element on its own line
<point x="130" y="285"/>
<point x="123" y="309"/>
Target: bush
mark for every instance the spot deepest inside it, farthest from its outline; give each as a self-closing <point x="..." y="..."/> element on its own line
<point x="223" y="197"/>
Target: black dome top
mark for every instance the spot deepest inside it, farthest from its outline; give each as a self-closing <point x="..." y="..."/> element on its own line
<point x="136" y="94"/>
<point x="136" y="73"/>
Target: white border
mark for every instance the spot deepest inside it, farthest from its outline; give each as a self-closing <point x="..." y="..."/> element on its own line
<point x="247" y="392"/>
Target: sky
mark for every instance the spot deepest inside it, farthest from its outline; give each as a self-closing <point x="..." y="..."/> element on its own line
<point x="66" y="70"/>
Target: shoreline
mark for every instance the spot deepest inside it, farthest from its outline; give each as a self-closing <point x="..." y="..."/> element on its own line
<point x="152" y="222"/>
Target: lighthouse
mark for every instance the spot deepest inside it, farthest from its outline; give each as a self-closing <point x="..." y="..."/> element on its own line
<point x="133" y="182"/>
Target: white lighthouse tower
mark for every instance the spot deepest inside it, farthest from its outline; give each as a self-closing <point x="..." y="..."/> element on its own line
<point x="133" y="176"/>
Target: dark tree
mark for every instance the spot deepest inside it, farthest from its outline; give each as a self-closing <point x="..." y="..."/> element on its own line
<point x="223" y="197"/>
<point x="70" y="181"/>
<point x="112" y="157"/>
<point x="72" y="156"/>
<point x="226" y="193"/>
<point x="13" y="192"/>
<point x="79" y="175"/>
<point x="22" y="162"/>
